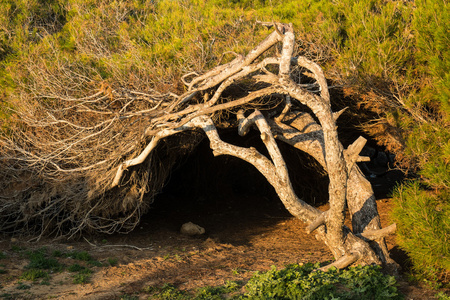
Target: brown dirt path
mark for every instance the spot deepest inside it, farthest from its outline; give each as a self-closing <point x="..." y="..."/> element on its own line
<point x="244" y="235"/>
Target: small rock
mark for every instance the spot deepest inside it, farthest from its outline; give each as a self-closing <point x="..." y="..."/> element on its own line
<point x="191" y="229"/>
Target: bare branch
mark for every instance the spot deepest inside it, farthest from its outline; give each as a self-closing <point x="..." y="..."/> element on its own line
<point x="71" y="128"/>
<point x="352" y="152"/>
<point x="336" y="115"/>
<point x="379" y="233"/>
<point x="342" y="262"/>
<point x="316" y="223"/>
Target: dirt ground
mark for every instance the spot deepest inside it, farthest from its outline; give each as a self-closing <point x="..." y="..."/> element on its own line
<point x="243" y="235"/>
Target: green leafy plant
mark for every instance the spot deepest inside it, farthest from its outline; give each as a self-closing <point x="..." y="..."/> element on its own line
<point x="83" y="273"/>
<point x="112" y="261"/>
<point x="168" y="292"/>
<point x="83" y="256"/>
<point x="217" y="292"/>
<point x="57" y="253"/>
<point x="75" y="268"/>
<point x="45" y="281"/>
<point x="442" y="296"/>
<point x="95" y="263"/>
<point x="80" y="255"/>
<point x="16" y="248"/>
<point x="298" y="282"/>
<point x="40" y="260"/>
<point x="306" y="282"/>
<point x="22" y="286"/>
<point x="34" y="274"/>
<point x="81" y="278"/>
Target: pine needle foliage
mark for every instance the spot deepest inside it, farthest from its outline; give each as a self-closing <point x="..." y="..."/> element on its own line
<point x="423" y="218"/>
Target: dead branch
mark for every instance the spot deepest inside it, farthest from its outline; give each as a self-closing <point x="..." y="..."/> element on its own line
<point x="89" y="155"/>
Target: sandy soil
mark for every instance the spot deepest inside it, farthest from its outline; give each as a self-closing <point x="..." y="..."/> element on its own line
<point x="242" y="236"/>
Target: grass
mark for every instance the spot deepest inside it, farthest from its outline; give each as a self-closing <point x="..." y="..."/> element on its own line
<point x="81" y="278"/>
<point x="80" y="255"/>
<point x="216" y="292"/>
<point x="76" y="268"/>
<point x="168" y="292"/>
<point x="16" y="248"/>
<point x="22" y="286"/>
<point x="83" y="273"/>
<point x="34" y="274"/>
<point x="39" y="260"/>
<point x="41" y="264"/>
<point x="112" y="261"/>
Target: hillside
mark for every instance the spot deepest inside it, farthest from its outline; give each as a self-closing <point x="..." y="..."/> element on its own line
<point x="387" y="61"/>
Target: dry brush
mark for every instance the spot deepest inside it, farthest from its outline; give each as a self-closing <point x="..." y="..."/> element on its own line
<point x="78" y="162"/>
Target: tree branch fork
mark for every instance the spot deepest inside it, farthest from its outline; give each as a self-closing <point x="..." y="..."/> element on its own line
<point x="169" y="115"/>
<point x="348" y="247"/>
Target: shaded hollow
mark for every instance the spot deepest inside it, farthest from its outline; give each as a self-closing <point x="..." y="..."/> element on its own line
<point x="223" y="191"/>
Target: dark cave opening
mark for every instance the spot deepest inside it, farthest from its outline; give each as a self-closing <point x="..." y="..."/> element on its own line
<point x="206" y="189"/>
<point x="216" y="191"/>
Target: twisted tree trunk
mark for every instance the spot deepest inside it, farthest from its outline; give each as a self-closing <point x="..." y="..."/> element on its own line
<point x="168" y="115"/>
<point x="347" y="189"/>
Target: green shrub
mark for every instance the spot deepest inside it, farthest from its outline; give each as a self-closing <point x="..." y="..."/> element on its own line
<point x="298" y="282"/>
<point x="95" y="263"/>
<point x="83" y="256"/>
<point x="303" y="282"/>
<point x="423" y="219"/>
<point x="57" y="253"/>
<point x="83" y="273"/>
<point x="432" y="39"/>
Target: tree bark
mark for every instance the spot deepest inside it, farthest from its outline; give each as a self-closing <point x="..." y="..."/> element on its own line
<point x="347" y="188"/>
<point x="166" y="115"/>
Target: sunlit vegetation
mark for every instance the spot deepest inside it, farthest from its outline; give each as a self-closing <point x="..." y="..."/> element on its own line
<point x="392" y="57"/>
<point x="296" y="282"/>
